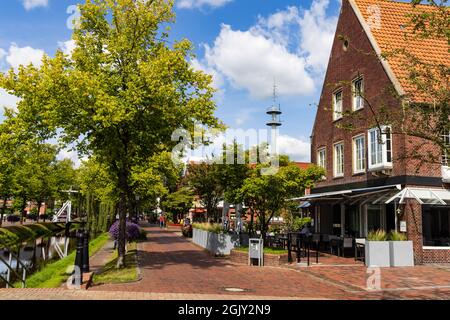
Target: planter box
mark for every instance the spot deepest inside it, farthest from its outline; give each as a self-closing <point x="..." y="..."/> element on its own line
<point x="377" y="254"/>
<point x="401" y="253"/>
<point x="217" y="244"/>
<point x="273" y="260"/>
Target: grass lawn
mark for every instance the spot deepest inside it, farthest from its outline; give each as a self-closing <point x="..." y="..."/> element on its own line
<point x="110" y="274"/>
<point x="266" y="250"/>
<point x="54" y="274"/>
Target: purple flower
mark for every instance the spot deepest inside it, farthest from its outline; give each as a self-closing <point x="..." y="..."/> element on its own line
<point x="131" y="234"/>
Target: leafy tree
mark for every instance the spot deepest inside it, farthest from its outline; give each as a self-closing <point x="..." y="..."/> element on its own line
<point x="178" y="203"/>
<point x="268" y="195"/>
<point x="234" y="168"/>
<point x="122" y="92"/>
<point x="154" y="179"/>
<point x="8" y="158"/>
<point x="204" y="178"/>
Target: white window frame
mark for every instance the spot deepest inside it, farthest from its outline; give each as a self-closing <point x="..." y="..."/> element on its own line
<point x="445" y="155"/>
<point x="336" y="113"/>
<point x="356" y="154"/>
<point x="321" y="159"/>
<point x="355" y="97"/>
<point x="337" y="174"/>
<point x="381" y="161"/>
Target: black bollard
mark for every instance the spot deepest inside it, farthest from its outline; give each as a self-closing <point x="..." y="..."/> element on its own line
<point x="79" y="255"/>
<point x="85" y="251"/>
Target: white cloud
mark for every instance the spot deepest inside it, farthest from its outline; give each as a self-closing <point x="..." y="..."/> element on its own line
<point x="72" y="155"/>
<point x="67" y="47"/>
<point x="17" y="56"/>
<point x="252" y="61"/>
<point x="297" y="149"/>
<point x="31" y="4"/>
<point x="244" y="115"/>
<point x="291" y="46"/>
<point x="2" y="53"/>
<point x="218" y="80"/>
<point x="7" y="100"/>
<point x="317" y="34"/>
<point x="189" y="4"/>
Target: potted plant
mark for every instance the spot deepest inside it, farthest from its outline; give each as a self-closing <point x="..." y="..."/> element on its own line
<point x="400" y="250"/>
<point x="377" y="249"/>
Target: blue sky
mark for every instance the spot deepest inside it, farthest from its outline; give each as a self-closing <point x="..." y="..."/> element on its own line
<point x="245" y="44"/>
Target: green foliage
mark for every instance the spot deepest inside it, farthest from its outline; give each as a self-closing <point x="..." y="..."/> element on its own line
<point x="178" y="203"/>
<point x="204" y="178"/>
<point x="397" y="236"/>
<point x="378" y="235"/>
<point x="233" y="170"/>
<point x="210" y="227"/>
<point x="267" y="250"/>
<point x="120" y="95"/>
<point x="299" y="223"/>
<point x="267" y="195"/>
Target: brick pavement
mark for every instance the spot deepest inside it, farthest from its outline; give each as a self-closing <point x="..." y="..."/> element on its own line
<point x="174" y="268"/>
<point x="170" y="263"/>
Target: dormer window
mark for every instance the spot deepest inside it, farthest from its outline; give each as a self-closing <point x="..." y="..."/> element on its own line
<point x="337" y="105"/>
<point x="357" y="92"/>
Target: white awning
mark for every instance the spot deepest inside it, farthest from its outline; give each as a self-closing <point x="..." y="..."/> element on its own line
<point x="346" y="192"/>
<point x="422" y="195"/>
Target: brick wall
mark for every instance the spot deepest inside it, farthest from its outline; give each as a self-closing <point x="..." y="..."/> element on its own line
<point x="344" y="65"/>
<point x="436" y="256"/>
<point x="413" y="215"/>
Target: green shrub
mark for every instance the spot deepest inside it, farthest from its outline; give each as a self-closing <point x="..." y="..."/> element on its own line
<point x="379" y="235"/>
<point x="299" y="223"/>
<point x="397" y="236"/>
<point x="210" y="227"/>
<point x="142" y="235"/>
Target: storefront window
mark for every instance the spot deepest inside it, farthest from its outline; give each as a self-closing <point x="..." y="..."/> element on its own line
<point x="436" y="226"/>
<point x="374" y="217"/>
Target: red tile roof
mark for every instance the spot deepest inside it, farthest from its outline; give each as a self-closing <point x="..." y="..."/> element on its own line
<point x="393" y="33"/>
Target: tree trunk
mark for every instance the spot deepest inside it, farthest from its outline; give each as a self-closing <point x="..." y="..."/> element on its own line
<point x="250" y="226"/>
<point x="39" y="210"/>
<point x="123" y="206"/>
<point x="22" y="211"/>
<point x="2" y="212"/>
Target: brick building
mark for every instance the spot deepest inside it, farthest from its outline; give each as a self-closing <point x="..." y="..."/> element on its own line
<point x="369" y="185"/>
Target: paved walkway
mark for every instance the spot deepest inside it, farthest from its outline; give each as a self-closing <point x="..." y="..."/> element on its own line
<point x="172" y="264"/>
<point x="174" y="268"/>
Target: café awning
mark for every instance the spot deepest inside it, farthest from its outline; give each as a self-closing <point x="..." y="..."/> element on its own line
<point x="422" y="196"/>
<point x="346" y="193"/>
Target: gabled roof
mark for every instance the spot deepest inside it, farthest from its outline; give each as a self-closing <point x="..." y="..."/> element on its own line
<point x="393" y="33"/>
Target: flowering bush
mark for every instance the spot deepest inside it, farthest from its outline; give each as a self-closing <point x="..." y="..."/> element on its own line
<point x="132" y="231"/>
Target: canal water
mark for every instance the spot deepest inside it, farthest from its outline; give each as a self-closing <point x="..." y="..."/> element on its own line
<point x="36" y="254"/>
